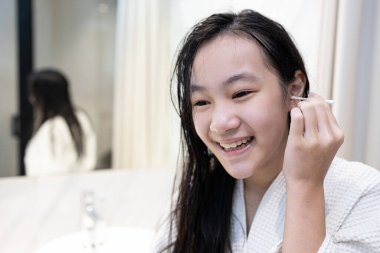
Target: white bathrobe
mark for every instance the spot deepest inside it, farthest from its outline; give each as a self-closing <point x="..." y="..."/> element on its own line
<point x="352" y="197"/>
<point x="52" y="150"/>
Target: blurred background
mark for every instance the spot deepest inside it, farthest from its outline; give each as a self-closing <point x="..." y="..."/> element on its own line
<point x="118" y="55"/>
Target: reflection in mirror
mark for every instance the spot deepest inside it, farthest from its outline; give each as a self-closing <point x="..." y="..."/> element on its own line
<point x="78" y="37"/>
<point x="63" y="139"/>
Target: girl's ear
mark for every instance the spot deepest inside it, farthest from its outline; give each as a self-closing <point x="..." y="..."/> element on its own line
<point x="296" y="88"/>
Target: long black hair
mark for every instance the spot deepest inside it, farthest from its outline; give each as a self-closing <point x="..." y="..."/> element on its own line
<point x="201" y="216"/>
<point x="50" y="97"/>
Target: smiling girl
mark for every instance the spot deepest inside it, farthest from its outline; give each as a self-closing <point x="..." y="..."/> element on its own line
<point x="259" y="168"/>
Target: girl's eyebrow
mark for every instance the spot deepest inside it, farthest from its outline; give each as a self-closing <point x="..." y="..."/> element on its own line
<point x="231" y="80"/>
<point x="240" y="76"/>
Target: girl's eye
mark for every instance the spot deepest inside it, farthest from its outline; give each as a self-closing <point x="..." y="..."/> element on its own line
<point x="201" y="103"/>
<point x="241" y="93"/>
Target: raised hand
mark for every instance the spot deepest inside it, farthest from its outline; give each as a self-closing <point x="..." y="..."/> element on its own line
<point x="314" y="138"/>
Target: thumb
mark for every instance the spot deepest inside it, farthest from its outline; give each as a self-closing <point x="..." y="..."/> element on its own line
<point x="296" y="122"/>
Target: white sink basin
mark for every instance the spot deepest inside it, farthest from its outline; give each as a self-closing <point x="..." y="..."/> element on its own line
<point x="114" y="239"/>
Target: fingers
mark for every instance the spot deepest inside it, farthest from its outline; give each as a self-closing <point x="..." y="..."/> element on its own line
<point x="319" y="121"/>
<point x="297" y="122"/>
<point x="323" y="114"/>
<point x="310" y="118"/>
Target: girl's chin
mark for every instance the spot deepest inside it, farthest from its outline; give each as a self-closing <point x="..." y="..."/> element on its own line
<point x="239" y="173"/>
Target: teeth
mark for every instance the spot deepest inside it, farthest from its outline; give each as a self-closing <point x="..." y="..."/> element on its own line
<point x="235" y="144"/>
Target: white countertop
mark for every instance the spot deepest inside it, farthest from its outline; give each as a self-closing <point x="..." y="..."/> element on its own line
<point x="35" y="211"/>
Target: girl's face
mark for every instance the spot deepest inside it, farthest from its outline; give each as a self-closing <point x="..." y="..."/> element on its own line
<point x="239" y="110"/>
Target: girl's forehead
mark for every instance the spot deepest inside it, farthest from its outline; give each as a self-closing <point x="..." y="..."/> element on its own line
<point x="227" y="53"/>
<point x="229" y="43"/>
<point x="226" y="38"/>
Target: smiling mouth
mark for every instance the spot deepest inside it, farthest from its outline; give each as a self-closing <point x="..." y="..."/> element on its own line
<point x="236" y="145"/>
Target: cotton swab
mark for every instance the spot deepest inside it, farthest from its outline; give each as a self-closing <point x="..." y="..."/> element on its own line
<point x="329" y="101"/>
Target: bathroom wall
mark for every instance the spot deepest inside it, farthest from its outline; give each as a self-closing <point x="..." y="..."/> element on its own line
<point x="8" y="87"/>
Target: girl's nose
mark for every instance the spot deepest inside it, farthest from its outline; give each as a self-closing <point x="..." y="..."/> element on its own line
<point x="224" y="120"/>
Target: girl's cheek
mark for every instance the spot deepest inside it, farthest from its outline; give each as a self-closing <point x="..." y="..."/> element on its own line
<point x="201" y="123"/>
<point x="197" y="124"/>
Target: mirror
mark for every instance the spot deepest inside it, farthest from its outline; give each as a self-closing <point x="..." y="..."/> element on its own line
<point x="77" y="38"/>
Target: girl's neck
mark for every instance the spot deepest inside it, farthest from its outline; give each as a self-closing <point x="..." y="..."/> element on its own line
<point x="260" y="182"/>
<point x="254" y="190"/>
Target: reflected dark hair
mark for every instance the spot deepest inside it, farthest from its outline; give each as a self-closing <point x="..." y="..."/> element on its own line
<point x="49" y="95"/>
<point x="200" y="220"/>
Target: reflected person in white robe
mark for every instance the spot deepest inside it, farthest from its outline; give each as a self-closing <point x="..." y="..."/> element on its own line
<point x="64" y="140"/>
